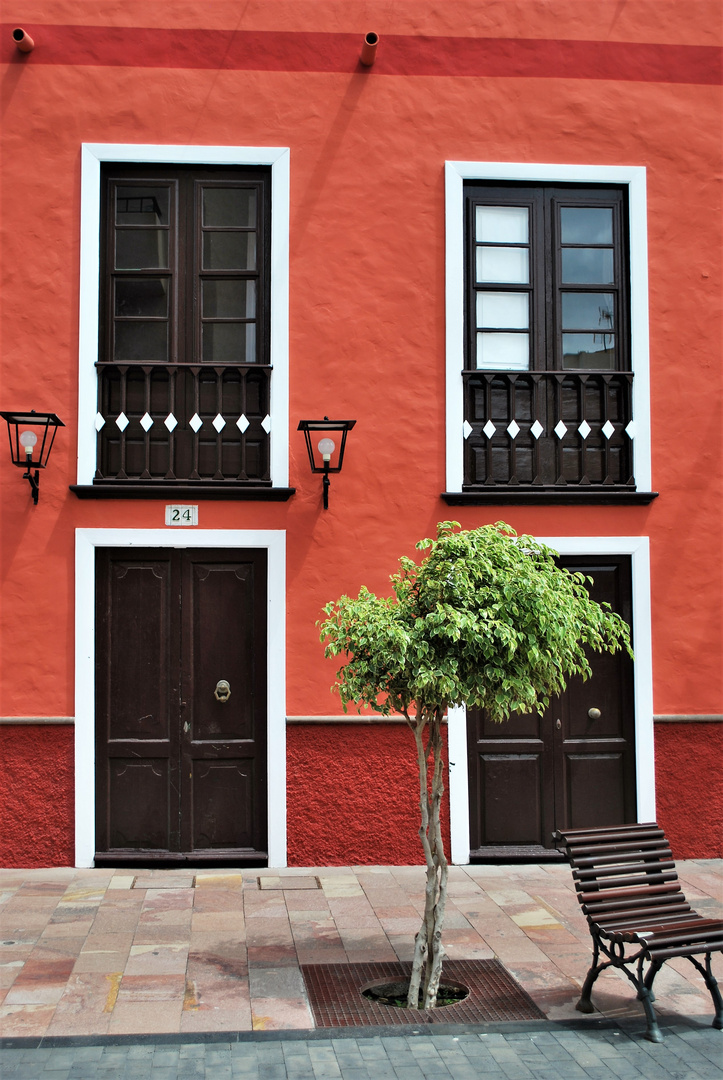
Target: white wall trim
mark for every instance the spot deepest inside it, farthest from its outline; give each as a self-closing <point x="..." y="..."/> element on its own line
<point x="92" y="156"/>
<point x="86" y="541"/>
<point x="638" y="547"/>
<point x="456" y="172"/>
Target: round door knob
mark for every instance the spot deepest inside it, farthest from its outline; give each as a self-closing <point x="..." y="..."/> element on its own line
<point x="594" y="714"/>
<point x="223" y="691"/>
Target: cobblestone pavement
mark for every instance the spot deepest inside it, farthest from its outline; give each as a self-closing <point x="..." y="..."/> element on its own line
<point x="543" y="1052"/>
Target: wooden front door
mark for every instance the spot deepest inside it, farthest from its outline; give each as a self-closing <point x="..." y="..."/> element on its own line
<point x="180" y="772"/>
<point x="568" y="768"/>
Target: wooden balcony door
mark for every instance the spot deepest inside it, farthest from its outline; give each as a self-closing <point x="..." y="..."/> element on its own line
<point x="180" y="772"/>
<point x="568" y="768"/>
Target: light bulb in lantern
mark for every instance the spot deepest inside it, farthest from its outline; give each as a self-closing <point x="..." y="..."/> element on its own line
<point x="28" y="439"/>
<point x="326" y="448"/>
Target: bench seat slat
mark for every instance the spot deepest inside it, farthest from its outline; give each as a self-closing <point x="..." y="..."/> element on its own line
<point x="644" y="916"/>
<point x="666" y="866"/>
<point x="633" y="851"/>
<point x="664" y="935"/>
<point x="687" y="950"/>
<point x="630" y="894"/>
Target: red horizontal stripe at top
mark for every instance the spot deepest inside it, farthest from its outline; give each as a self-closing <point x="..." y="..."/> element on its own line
<point x="398" y="54"/>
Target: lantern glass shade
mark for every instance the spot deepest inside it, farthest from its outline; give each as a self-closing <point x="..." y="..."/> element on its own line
<point x="31" y="437"/>
<point x="325" y="443"/>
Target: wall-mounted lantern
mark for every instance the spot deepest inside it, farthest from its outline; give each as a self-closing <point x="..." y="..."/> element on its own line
<point x="26" y="430"/>
<point x="325" y="442"/>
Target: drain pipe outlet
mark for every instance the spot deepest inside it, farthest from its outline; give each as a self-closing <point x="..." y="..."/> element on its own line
<point x="369" y="49"/>
<point x="23" y="41"/>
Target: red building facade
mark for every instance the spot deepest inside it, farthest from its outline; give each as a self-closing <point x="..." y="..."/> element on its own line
<point x="497" y="248"/>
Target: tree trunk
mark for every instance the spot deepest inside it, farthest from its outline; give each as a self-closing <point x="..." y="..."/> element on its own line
<point x="428" y="949"/>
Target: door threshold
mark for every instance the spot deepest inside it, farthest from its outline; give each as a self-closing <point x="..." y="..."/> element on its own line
<point x="515" y="853"/>
<point x="144" y="860"/>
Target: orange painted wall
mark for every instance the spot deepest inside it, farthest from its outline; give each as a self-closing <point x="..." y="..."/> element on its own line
<point x="367" y="287"/>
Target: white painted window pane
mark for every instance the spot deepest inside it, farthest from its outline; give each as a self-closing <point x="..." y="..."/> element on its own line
<point x="503" y="352"/>
<point x="503" y="309"/>
<point x="503" y="264"/>
<point x="502" y="224"/>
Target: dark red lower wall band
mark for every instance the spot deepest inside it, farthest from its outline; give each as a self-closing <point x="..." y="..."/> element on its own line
<point x="398" y="54"/>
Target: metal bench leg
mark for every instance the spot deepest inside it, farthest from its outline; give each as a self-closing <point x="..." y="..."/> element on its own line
<point x="585" y="1004"/>
<point x="712" y="983"/>
<point x="653" y="1032"/>
<point x="646" y="995"/>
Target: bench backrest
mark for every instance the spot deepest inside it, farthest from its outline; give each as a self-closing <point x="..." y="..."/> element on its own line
<point x="623" y="874"/>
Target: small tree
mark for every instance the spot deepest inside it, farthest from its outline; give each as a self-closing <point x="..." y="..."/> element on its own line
<point x="487" y="620"/>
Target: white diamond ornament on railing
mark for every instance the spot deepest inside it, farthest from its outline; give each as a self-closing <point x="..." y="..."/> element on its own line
<point x="266" y="423"/>
<point x="608" y="430"/>
<point x="467" y="429"/>
<point x="630" y="430"/>
<point x="99" y="421"/>
<point x="584" y="429"/>
<point x="537" y="429"/>
<point x="195" y="422"/>
<point x="171" y="422"/>
<point x="560" y="429"/>
<point x="219" y="423"/>
<point x="489" y="429"/>
<point x="122" y="422"/>
<point x="146" y="422"/>
<point x="242" y="423"/>
<point x="513" y="429"/>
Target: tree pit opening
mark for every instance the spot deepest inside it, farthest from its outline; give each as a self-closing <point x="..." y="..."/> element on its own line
<point x="394" y="994"/>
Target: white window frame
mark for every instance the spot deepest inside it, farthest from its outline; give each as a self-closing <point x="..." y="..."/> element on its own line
<point x="638" y="547"/>
<point x="86" y="541"/>
<point x="632" y="176"/>
<point x="93" y="155"/>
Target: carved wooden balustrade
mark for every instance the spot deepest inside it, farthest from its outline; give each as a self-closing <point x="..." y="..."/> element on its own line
<point x="553" y="429"/>
<point x="172" y="422"/>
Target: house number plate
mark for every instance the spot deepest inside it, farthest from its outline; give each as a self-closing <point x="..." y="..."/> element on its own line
<point x="181" y="515"/>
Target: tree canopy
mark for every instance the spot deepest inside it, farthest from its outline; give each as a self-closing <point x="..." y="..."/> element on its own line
<point x="487" y="619"/>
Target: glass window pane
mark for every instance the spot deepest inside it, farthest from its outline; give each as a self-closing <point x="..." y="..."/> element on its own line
<point x="502" y="224"/>
<point x="586" y="224"/>
<point x="141" y="249"/>
<point x="503" y="264"/>
<point x="229" y="208"/>
<point x="141" y="205"/>
<point x="229" y="299"/>
<point x="503" y="352"/>
<point x="141" y="297"/>
<point x="588" y="351"/>
<point x="588" y="266"/>
<point x="229" y="251"/>
<point x="588" y="311"/>
<point x="141" y="341"/>
<point x="503" y="309"/>
<point x="229" y="343"/>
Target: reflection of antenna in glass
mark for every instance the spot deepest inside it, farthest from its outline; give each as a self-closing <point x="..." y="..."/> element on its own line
<point x="606" y="315"/>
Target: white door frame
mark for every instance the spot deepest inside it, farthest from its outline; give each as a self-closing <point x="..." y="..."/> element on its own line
<point x="86" y="541"/>
<point x="638" y="548"/>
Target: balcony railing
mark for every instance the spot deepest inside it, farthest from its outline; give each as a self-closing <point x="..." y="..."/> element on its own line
<point x="548" y="429"/>
<point x="173" y="422"/>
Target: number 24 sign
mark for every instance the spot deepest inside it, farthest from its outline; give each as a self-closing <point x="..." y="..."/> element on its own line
<point x="181" y="515"/>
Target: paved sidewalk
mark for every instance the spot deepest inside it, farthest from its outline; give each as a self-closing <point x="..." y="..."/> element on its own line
<point x="544" y="1052"/>
<point x="106" y="953"/>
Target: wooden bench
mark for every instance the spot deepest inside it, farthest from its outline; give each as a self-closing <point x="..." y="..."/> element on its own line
<point x="629" y="890"/>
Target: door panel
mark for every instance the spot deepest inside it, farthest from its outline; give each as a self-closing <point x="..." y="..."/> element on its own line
<point x="180" y="775"/>
<point x="584" y="767"/>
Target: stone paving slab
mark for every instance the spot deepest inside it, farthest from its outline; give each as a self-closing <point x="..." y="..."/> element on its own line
<point x="104" y="952"/>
